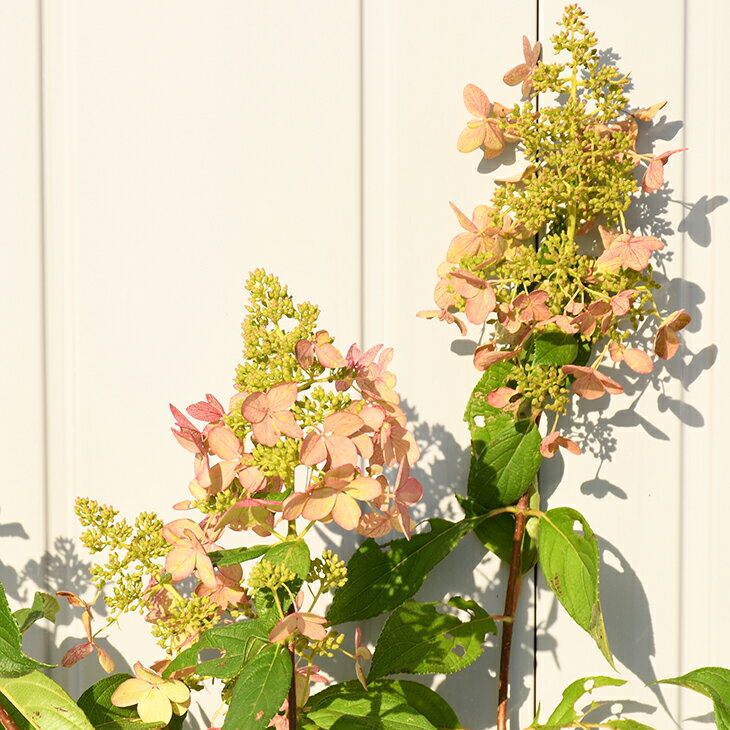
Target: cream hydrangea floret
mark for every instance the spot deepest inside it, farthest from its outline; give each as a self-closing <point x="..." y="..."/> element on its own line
<point x="156" y="697"/>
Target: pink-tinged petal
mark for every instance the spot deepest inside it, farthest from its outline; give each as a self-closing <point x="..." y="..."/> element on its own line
<point x="443" y="294"/>
<point x="647" y="114"/>
<point x="320" y="503"/>
<point x="312" y="450"/>
<point x="464" y="244"/>
<point x="364" y="444"/>
<point x="471" y="138"/>
<point x="105" y="660"/>
<point x="282" y="396"/>
<point x="485" y="356"/>
<point x="531" y="56"/>
<point x="284" y="629"/>
<point x="294" y="505"/>
<point x="364" y="488"/>
<point x="621" y="302"/>
<point x="653" y="177"/>
<point x="204" y="411"/>
<point x="224" y="443"/>
<point x="373" y="416"/>
<point x="304" y="353"/>
<point x="493" y="141"/>
<point x="478" y="308"/>
<point x="175" y="532"/>
<point x="266" y="432"/>
<point x="286" y="423"/>
<point x="565" y="324"/>
<point x="221" y="476"/>
<point x="341" y="450"/>
<point x="501" y="397"/>
<point x="342" y="423"/>
<point x="204" y="570"/>
<point x="372" y="524"/>
<point x="346" y="512"/>
<point x="252" y="479"/>
<point x="255" y="408"/>
<point x="329" y="356"/>
<point x="180" y="563"/>
<point x="549" y="445"/>
<point x="516" y="75"/>
<point x="638" y="360"/>
<point x="410" y="492"/>
<point x="76" y="654"/>
<point x="180" y="418"/>
<point x="311" y="625"/>
<point x="464" y="221"/>
<point x="184" y="505"/>
<point x="189" y="444"/>
<point x="588" y="387"/>
<point x="476" y="101"/>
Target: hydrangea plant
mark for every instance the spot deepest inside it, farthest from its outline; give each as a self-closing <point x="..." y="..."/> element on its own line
<point x="562" y="289"/>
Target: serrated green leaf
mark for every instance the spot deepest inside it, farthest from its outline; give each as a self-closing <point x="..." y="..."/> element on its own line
<point x="505" y="457"/>
<point x="43" y="703"/>
<point x="419" y="639"/>
<point x="566" y="713"/>
<point x="569" y="562"/>
<point x="494" y="377"/>
<point x="387" y="705"/>
<point x="260" y="690"/>
<point x="626" y="724"/>
<point x="553" y="348"/>
<point x="13" y="662"/>
<point x="236" y="556"/>
<point x="44" y="606"/>
<point x="381" y="577"/>
<point x="239" y="642"/>
<point x="713" y="682"/>
<point x="102" y="714"/>
<point x="293" y="554"/>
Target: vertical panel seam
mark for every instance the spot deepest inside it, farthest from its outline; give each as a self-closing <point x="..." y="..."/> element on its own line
<point x="43" y="303"/>
<point x="361" y="263"/>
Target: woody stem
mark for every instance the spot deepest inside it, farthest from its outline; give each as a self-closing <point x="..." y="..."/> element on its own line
<point x="6" y="721"/>
<point x="514" y="583"/>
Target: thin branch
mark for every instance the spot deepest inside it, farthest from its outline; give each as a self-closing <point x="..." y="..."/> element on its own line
<point x="510" y="608"/>
<point x="7" y="722"/>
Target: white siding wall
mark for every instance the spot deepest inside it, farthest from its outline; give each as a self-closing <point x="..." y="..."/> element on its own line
<point x="155" y="152"/>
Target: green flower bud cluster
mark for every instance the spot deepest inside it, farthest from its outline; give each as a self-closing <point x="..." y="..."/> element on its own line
<point x="313" y="408"/>
<point x="134" y="552"/>
<point x="265" y="575"/>
<point x="329" y="570"/>
<point x="268" y="347"/>
<point x="186" y="617"/>
<point x="323" y="647"/>
<point x="279" y="460"/>
<point x="545" y="386"/>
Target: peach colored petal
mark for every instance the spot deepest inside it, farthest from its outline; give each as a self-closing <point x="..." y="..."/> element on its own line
<point x="342" y="423"/>
<point x="341" y="450"/>
<point x="319" y="503"/>
<point x="638" y="360"/>
<point x="224" y="443"/>
<point x="282" y="396"/>
<point x="466" y="223"/>
<point x="346" y="512"/>
<point x="471" y="138"/>
<point x="364" y="488"/>
<point x="312" y="450"/>
<point x="476" y="101"/>
<point x="256" y="407"/>
<point x="266" y="432"/>
<point x="294" y="505"/>
<point x="286" y="423"/>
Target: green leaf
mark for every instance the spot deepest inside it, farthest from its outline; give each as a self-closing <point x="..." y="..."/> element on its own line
<point x="102" y="714"/>
<point x="239" y="642"/>
<point x="569" y="562"/>
<point x="44" y="606"/>
<point x="505" y="457"/>
<point x="13" y="662"/>
<point x="565" y="713"/>
<point x="382" y="577"/>
<point x="713" y="682"/>
<point x="553" y="348"/>
<point x="626" y="724"/>
<point x="237" y="555"/>
<point x="43" y="703"/>
<point x="260" y="690"/>
<point x="494" y="377"/>
<point x="386" y="705"/>
<point x="293" y="554"/>
<point x="419" y="639"/>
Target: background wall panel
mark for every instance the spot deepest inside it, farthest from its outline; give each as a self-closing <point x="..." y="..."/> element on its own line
<point x="160" y="151"/>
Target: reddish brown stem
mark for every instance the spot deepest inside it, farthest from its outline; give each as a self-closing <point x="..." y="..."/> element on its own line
<point x="514" y="583"/>
<point x="6" y="721"/>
